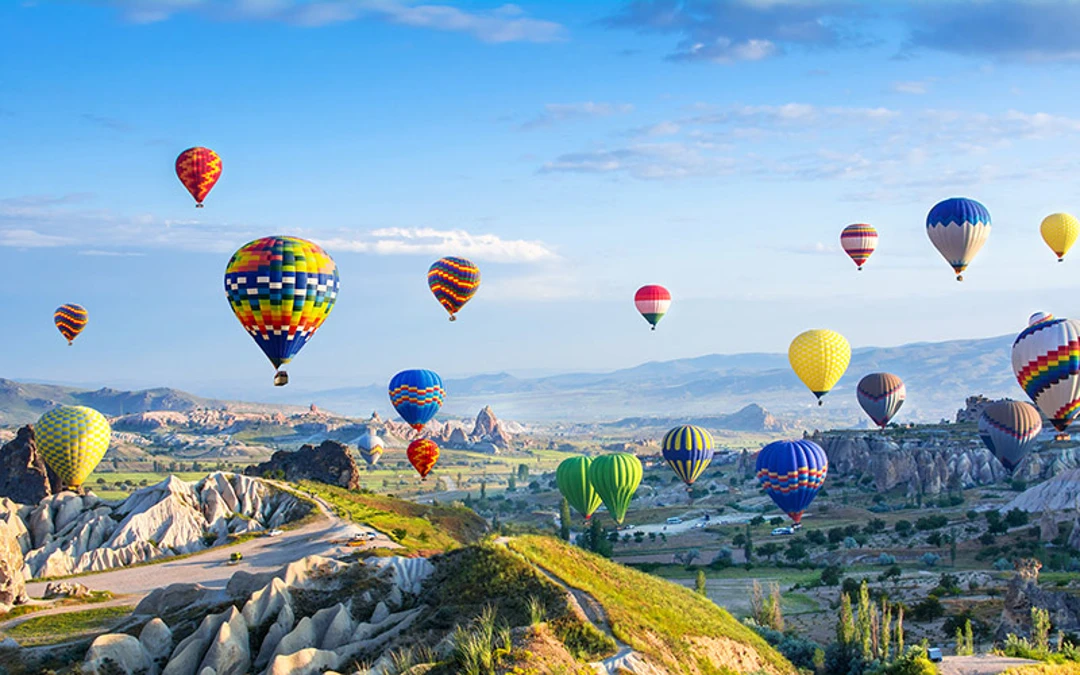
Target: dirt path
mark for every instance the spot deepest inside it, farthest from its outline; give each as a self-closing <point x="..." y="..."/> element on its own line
<point x="983" y="664"/>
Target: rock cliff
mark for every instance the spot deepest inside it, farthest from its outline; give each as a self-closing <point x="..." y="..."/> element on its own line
<point x="1024" y="593"/>
<point x="24" y="477"/>
<point x="331" y="463"/>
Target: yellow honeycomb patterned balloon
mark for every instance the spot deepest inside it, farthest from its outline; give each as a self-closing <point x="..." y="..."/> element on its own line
<point x="820" y="358"/>
<point x="72" y="439"/>
<point x="1059" y="231"/>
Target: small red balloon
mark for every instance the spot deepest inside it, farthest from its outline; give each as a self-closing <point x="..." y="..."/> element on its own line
<point x="198" y="169"/>
<point x="422" y="454"/>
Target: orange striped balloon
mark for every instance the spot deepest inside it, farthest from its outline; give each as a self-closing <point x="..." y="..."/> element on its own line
<point x="198" y="169"/>
<point x="70" y="319"/>
<point x="422" y="454"/>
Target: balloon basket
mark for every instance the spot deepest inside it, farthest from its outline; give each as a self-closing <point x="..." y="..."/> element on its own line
<point x="281" y="378"/>
<point x="1061" y="437"/>
<point x="199" y="205"/>
<point x="453" y="318"/>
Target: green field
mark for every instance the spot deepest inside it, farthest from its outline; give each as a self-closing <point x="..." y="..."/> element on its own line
<point x="43" y="630"/>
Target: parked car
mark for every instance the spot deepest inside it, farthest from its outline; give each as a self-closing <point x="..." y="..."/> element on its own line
<point x="674" y="520"/>
<point x="934" y="654"/>
<point x="275" y="532"/>
<point x="782" y="530"/>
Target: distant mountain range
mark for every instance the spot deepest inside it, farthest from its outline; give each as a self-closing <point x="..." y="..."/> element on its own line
<point x="939" y="377"/>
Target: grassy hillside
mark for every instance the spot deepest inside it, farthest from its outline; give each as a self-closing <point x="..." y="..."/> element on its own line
<point x="673" y="626"/>
<point x="417" y="527"/>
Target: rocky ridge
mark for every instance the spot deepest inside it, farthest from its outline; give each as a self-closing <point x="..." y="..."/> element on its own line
<point x="331" y="463"/>
<point x="1023" y="593"/>
<point x="24" y="476"/>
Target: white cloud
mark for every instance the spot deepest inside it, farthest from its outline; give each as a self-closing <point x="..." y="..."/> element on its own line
<point x="917" y="88"/>
<point x="22" y="238"/>
<point x="429" y="241"/>
<point x="647" y="161"/>
<point x="506" y="23"/>
<point x="560" y="112"/>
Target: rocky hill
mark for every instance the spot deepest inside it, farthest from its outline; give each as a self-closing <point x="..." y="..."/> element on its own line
<point x="68" y="533"/>
<point x="510" y="600"/>
<point x="751" y="417"/>
<point x="330" y="463"/>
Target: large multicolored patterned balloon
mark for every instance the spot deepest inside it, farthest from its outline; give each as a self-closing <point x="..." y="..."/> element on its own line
<point x="281" y="289"/>
<point x="70" y="320"/>
<point x="653" y="302"/>
<point x="417" y="395"/>
<point x="198" y="169"/>
<point x="453" y="281"/>
<point x="1059" y="231"/>
<point x="881" y="395"/>
<point x="792" y="473"/>
<point x="616" y="477"/>
<point x="1046" y="360"/>
<point x="1009" y="430"/>
<point x="958" y="228"/>
<point x="422" y="454"/>
<point x="371" y="448"/>
<point x="859" y="241"/>
<point x="819" y="358"/>
<point x="687" y="450"/>
<point x="72" y="439"/>
<point x="572" y="478"/>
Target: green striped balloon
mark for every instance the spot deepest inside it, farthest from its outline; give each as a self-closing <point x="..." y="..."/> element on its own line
<point x="572" y="477"/>
<point x="616" y="477"/>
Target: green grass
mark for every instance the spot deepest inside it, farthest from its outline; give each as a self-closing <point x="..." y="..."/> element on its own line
<point x="425" y="528"/>
<point x="43" y="630"/>
<point x="23" y="610"/>
<point x="644" y="610"/>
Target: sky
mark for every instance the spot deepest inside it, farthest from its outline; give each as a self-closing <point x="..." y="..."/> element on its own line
<point x="574" y="151"/>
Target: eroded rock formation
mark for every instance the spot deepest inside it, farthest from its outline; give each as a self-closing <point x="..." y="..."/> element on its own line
<point x="330" y="462"/>
<point x="24" y="477"/>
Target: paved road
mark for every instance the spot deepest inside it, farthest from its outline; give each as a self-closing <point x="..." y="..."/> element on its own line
<point x="983" y="664"/>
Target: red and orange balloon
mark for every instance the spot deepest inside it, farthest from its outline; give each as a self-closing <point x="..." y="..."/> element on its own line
<point x="198" y="169"/>
<point x="422" y="454"/>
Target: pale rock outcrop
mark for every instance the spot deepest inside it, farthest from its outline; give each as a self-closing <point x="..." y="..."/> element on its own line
<point x="265" y="604"/>
<point x="117" y="650"/>
<point x="12" y="573"/>
<point x="335" y="628"/>
<point x="303" y="636"/>
<point x="408" y="574"/>
<point x="65" y="589"/>
<point x="156" y="638"/>
<point x="1060" y="493"/>
<point x="380" y="614"/>
<point x="308" y="661"/>
<point x="228" y="653"/>
<point x="279" y="629"/>
<point x="1048" y="526"/>
<point x="188" y="656"/>
<point x="1023" y="593"/>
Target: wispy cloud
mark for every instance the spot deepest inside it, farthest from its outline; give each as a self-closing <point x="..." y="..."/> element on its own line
<point x="916" y="88"/>
<point x="646" y="161"/>
<point x="561" y="112"/>
<point x="41" y="222"/>
<point x="108" y="122"/>
<point x="507" y="23"/>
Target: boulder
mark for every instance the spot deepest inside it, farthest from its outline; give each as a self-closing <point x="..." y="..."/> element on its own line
<point x="12" y="578"/>
<point x="265" y="604"/>
<point x="304" y="662"/>
<point x="279" y="629"/>
<point x="228" y="653"/>
<point x="157" y="640"/>
<point x="187" y="658"/>
<point x="331" y="463"/>
<point x="116" y="653"/>
<point x="24" y="476"/>
<point x="65" y="589"/>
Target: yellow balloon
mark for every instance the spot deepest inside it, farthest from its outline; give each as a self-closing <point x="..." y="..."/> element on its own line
<point x="1059" y="231"/>
<point x="72" y="439"/>
<point x="820" y="358"/>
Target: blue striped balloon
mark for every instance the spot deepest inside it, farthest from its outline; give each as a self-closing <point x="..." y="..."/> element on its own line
<point x="417" y="395"/>
<point x="688" y="450"/>
<point x="792" y="473"/>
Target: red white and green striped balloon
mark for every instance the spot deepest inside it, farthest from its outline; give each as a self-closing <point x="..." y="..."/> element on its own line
<point x="653" y="302"/>
<point x="859" y="241"/>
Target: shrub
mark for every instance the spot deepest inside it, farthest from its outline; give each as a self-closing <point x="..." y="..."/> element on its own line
<point x="903" y="527"/>
<point x="930" y="559"/>
<point x="928" y="609"/>
<point x="913" y="662"/>
<point x="830" y="576"/>
<point x="934" y="522"/>
<point x="1016" y="518"/>
<point x="886" y="559"/>
<point x="1002" y="565"/>
<point x="849" y="542"/>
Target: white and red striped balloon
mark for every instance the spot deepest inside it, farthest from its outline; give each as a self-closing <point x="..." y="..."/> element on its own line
<point x="653" y="302"/>
<point x="859" y="241"/>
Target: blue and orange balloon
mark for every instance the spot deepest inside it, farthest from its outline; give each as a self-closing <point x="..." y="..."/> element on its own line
<point x="417" y="395"/>
<point x="792" y="473"/>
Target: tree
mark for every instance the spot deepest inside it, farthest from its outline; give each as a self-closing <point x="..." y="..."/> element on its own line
<point x="511" y="484"/>
<point x="483" y="490"/>
<point x="564" y="520"/>
<point x="523" y="472"/>
<point x="903" y="527"/>
<point x="769" y="549"/>
<point x="699" y="583"/>
<point x="952" y="549"/>
<point x="748" y="545"/>
<point x="830" y="576"/>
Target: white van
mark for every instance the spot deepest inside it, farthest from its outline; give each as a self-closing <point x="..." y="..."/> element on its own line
<point x="674" y="521"/>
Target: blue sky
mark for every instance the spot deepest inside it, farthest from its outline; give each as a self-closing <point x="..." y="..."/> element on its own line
<point x="575" y="151"/>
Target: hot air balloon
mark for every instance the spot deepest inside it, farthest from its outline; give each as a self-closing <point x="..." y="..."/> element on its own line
<point x="859" y="242"/>
<point x="453" y="281"/>
<point x="417" y="395"/>
<point x="958" y="228"/>
<point x="688" y="450"/>
<point x="422" y="454"/>
<point x="72" y="439"/>
<point x="281" y="289"/>
<point x="653" y="302"/>
<point x="1059" y="231"/>
<point x="198" y="169"/>
<point x="820" y="358"/>
<point x="615" y="477"/>
<point x="70" y="319"/>
<point x="792" y="472"/>
<point x="572" y="477"/>
<point x="371" y="448"/>
<point x="1009" y="430"/>
<point x="1046" y="360"/>
<point x="881" y="395"/>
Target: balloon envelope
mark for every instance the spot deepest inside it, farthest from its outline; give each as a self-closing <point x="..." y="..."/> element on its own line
<point x="687" y="450"/>
<point x="958" y="228"/>
<point x="881" y="395"/>
<point x="653" y="302"/>
<point x="1009" y="430"/>
<point x="70" y="320"/>
<point x="453" y="281"/>
<point x="819" y="358"/>
<point x="615" y="478"/>
<point x="572" y="477"/>
<point x="1059" y="231"/>
<point x="792" y="473"/>
<point x="422" y="454"/>
<point x="417" y="395"/>
<point x="1046" y="360"/>
<point x="371" y="448"/>
<point x="281" y="289"/>
<point x="198" y="169"/>
<point x="72" y="439"/>
<point x="859" y="242"/>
